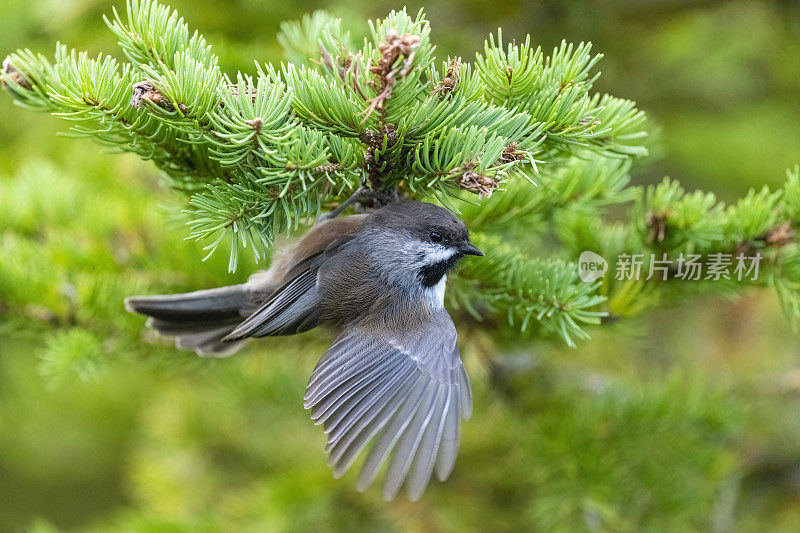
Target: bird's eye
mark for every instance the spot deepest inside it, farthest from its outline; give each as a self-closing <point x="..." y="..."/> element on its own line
<point x="436" y="236"/>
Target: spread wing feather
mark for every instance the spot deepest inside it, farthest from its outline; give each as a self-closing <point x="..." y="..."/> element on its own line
<point x="402" y="397"/>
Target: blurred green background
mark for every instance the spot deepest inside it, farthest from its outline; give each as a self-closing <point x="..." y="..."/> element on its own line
<point x="687" y="419"/>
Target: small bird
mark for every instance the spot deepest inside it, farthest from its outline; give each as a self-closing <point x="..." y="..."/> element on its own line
<point x="393" y="378"/>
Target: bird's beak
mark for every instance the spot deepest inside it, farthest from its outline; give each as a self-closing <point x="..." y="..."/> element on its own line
<point x="470" y="249"/>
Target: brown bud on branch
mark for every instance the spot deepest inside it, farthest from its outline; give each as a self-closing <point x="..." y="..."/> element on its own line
<point x="10" y="72"/>
<point x="481" y="185"/>
<point x="144" y="90"/>
<point x="451" y="78"/>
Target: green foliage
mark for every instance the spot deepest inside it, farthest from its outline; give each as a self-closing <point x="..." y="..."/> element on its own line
<point x="209" y="445"/>
<point x="683" y="419"/>
<point x="530" y="290"/>
<point x="262" y="153"/>
<point x="597" y="434"/>
<point x="673" y="219"/>
<point x="259" y="154"/>
<point x="76" y="351"/>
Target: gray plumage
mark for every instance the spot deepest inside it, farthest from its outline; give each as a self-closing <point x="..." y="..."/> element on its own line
<point x="393" y="382"/>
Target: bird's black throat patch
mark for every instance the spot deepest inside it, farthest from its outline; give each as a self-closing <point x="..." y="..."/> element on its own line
<point x="430" y="275"/>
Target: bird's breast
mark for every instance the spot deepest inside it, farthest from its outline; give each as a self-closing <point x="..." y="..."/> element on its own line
<point x="434" y="295"/>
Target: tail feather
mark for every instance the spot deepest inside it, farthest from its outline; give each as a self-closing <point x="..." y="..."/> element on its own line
<point x="208" y="343"/>
<point x="196" y="320"/>
<point x="177" y="327"/>
<point x="211" y="303"/>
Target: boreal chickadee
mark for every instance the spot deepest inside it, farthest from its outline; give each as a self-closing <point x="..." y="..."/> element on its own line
<point x="393" y="377"/>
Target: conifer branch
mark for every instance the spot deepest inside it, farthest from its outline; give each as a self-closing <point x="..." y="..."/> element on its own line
<point x="540" y="159"/>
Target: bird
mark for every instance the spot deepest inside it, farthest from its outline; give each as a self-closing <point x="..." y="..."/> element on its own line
<point x="392" y="385"/>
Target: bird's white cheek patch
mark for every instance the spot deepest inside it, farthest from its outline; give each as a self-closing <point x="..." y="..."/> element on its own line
<point x="437" y="254"/>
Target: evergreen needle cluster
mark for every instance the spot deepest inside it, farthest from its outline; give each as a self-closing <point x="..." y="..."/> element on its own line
<point x="515" y="140"/>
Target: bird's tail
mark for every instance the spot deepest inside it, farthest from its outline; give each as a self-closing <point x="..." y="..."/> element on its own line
<point x="196" y="320"/>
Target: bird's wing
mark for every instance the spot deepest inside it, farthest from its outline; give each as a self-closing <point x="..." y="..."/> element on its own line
<point x="293" y="307"/>
<point x="404" y="393"/>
